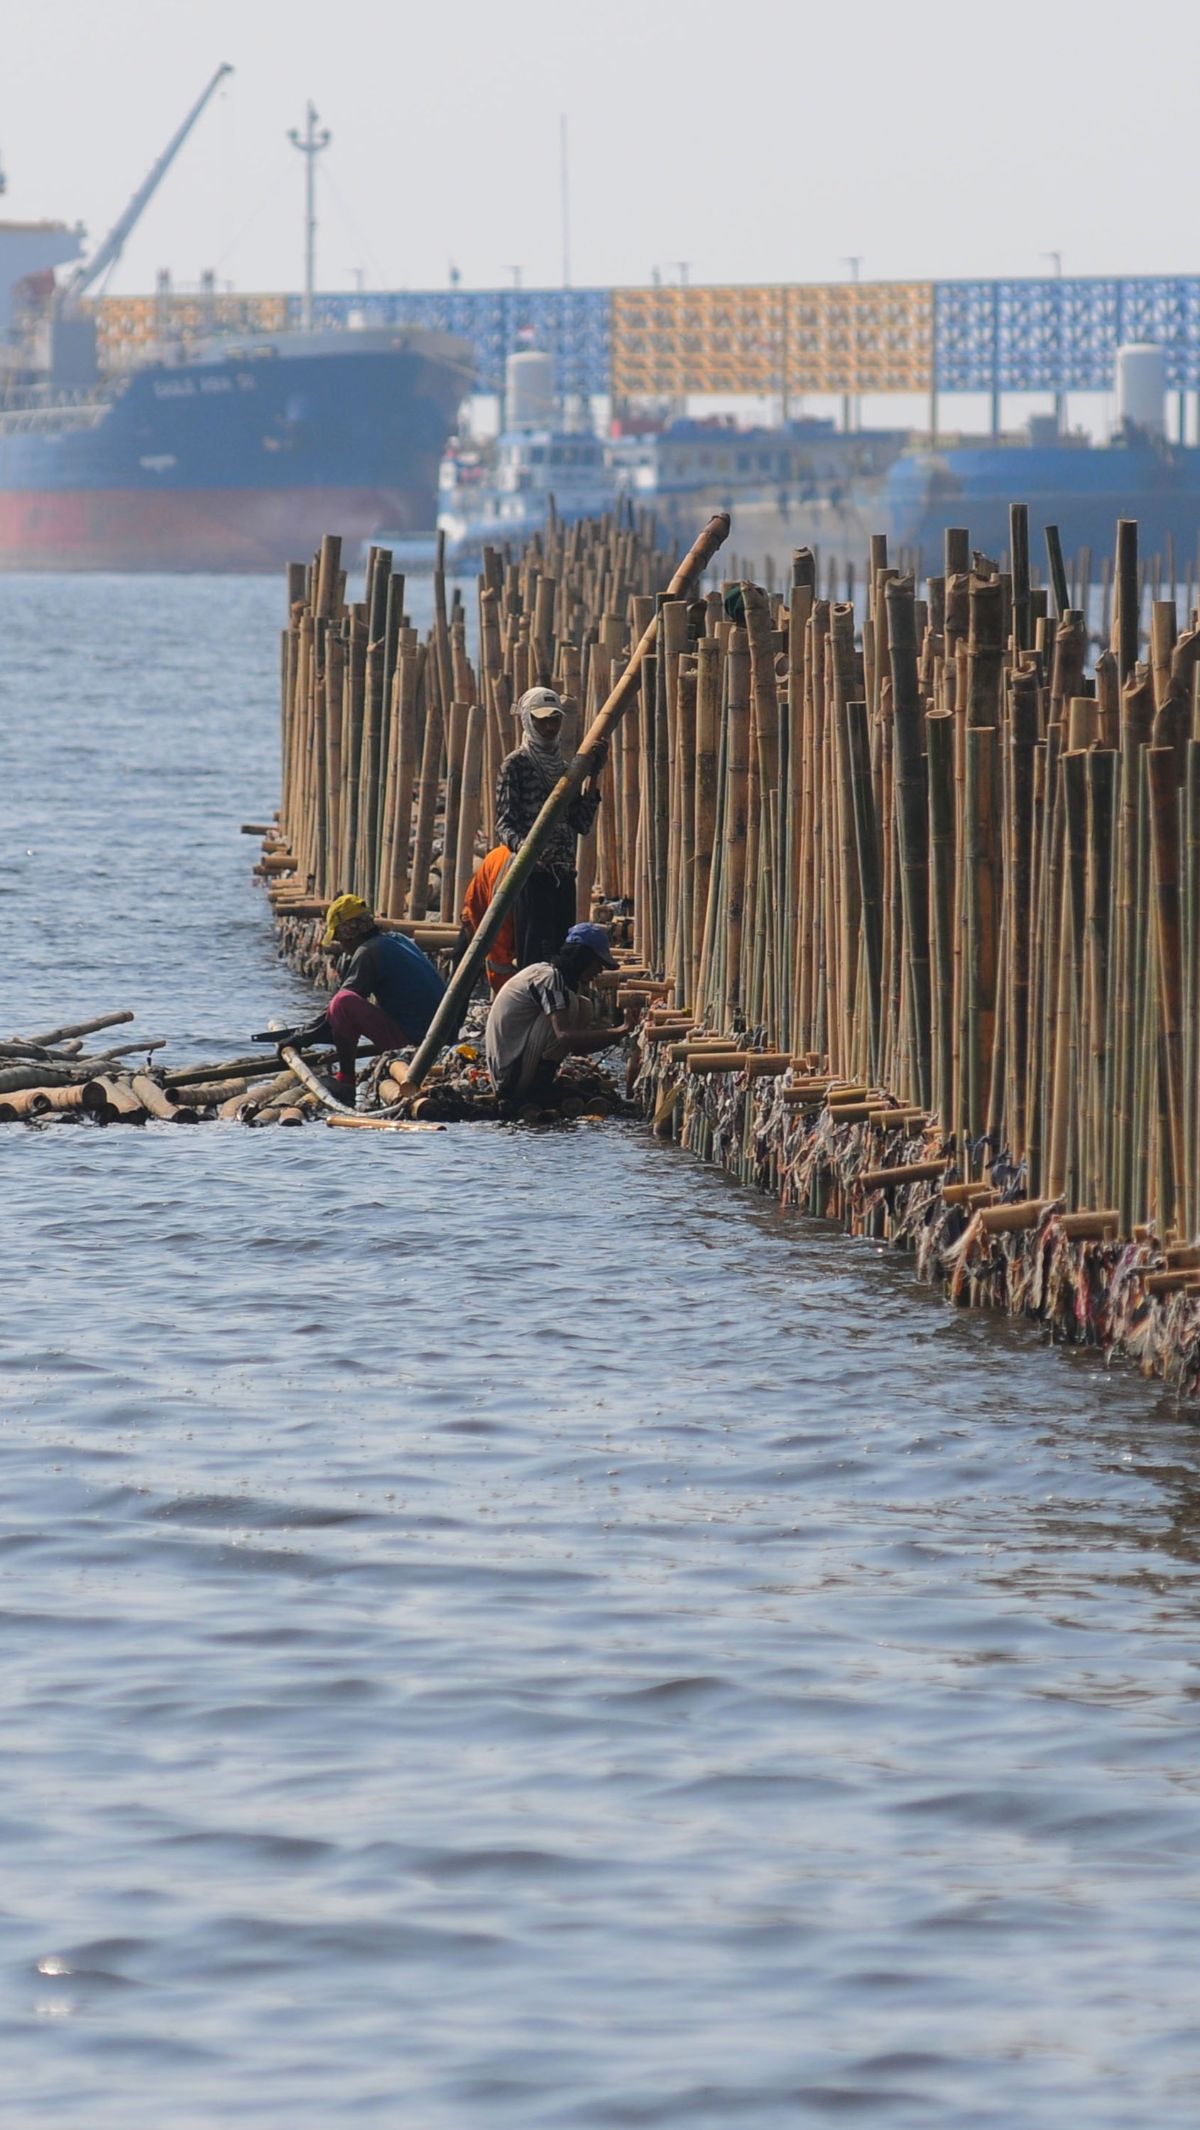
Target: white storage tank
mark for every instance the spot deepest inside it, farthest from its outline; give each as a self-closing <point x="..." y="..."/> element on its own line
<point x="529" y="389"/>
<point x="1142" y="386"/>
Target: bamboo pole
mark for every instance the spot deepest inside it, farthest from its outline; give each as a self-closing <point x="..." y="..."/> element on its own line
<point x="470" y="804"/>
<point x="431" y="756"/>
<point x="456" y="744"/>
<point x="939" y="731"/>
<point x="1166" y="846"/>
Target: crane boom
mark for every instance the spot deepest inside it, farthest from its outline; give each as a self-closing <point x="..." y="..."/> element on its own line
<point x="110" y="250"/>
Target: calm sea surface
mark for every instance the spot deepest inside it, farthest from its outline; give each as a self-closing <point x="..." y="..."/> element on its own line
<point x="500" y="1631"/>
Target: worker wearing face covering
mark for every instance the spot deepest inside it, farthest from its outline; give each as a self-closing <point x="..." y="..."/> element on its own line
<point x="544" y="911"/>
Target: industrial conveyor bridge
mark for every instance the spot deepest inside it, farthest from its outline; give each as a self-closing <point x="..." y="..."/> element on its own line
<point x="1055" y="334"/>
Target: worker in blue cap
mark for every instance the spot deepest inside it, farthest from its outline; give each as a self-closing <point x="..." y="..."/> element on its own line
<point x="540" y="1017"/>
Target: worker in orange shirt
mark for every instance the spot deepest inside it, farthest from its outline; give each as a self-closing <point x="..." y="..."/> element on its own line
<point x="502" y="955"/>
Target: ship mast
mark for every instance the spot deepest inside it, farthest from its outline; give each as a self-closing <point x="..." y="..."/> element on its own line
<point x="310" y="143"/>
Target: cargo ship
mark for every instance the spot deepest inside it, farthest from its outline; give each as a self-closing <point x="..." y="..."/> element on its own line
<point x="226" y="454"/>
<point x="237" y="457"/>
<point x="1081" y="487"/>
<point x="1067" y="480"/>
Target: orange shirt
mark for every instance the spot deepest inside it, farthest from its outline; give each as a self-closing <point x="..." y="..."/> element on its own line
<point x="484" y="882"/>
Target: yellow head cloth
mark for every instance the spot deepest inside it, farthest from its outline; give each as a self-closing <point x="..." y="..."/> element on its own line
<point x="340" y="911"/>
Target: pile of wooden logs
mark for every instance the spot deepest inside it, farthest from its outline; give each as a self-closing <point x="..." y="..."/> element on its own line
<point x="48" y="1077"/>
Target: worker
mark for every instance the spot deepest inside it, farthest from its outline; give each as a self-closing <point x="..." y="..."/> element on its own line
<point x="539" y="1018"/>
<point x="388" y="995"/>
<point x="502" y="954"/>
<point x="545" y="909"/>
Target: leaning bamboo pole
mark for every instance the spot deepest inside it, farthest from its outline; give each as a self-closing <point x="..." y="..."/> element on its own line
<point x="446" y="1019"/>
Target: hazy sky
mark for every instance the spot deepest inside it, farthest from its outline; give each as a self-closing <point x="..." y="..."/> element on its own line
<point x="756" y="142"/>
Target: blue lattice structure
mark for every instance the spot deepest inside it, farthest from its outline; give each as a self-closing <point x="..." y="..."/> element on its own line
<point x="1047" y="335"/>
<point x="1061" y="335"/>
<point x="572" y="324"/>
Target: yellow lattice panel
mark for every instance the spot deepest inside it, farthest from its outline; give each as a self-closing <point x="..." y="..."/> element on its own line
<point x="128" y="324"/>
<point x="869" y="336"/>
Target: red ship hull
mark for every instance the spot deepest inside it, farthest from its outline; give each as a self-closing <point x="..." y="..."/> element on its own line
<point x="199" y="529"/>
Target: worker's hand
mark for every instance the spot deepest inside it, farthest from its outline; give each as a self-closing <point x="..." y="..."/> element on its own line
<point x="633" y="1015"/>
<point x="598" y="756"/>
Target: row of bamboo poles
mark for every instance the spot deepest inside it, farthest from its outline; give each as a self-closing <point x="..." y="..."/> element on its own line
<point x="947" y="859"/>
<point x="1088" y="579"/>
<point x="930" y="843"/>
<point x="392" y="741"/>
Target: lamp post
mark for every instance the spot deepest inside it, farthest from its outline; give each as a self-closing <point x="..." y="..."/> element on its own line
<point x="1060" y="397"/>
<point x="850" y="400"/>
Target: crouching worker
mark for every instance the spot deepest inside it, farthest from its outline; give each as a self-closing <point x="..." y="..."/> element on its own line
<point x="502" y="954"/>
<point x="539" y="1018"/>
<point x="388" y="996"/>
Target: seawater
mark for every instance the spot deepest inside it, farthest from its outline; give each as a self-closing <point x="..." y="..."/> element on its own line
<point x="502" y="1629"/>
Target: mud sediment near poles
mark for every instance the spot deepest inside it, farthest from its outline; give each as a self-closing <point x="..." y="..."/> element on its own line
<point x="910" y="891"/>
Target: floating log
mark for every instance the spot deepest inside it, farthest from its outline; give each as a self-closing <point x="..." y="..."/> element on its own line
<point x="40" y="1101"/>
<point x="154" y="1101"/>
<point x="121" y="1105"/>
<point x="198" y="1094"/>
<point x="257" y="1065"/>
<point x="39" y="1073"/>
<point x="380" y="1124"/>
<point x="74" y="1028"/>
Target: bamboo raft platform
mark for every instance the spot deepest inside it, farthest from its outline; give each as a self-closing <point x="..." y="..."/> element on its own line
<point x="909" y="899"/>
<point x="49" y="1078"/>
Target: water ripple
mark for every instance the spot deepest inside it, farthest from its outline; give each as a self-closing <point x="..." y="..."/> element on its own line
<point x="505" y="1630"/>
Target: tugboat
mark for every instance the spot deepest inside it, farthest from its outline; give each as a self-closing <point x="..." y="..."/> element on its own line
<point x="536" y="466"/>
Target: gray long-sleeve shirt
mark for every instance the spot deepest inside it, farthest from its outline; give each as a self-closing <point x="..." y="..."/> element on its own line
<point x="519" y="799"/>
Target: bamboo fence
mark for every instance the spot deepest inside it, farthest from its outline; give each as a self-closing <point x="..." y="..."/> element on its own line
<point x="908" y="880"/>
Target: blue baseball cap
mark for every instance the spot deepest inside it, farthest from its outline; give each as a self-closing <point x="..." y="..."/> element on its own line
<point x="595" y="939"/>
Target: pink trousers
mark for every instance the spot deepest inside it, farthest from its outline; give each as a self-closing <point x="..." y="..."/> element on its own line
<point x="353" y="1019"/>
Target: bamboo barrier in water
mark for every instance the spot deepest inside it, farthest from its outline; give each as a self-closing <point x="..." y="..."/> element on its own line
<point x="927" y="866"/>
<point x="391" y="745"/>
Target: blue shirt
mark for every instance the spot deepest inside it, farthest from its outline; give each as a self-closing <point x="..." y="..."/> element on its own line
<point x="391" y="969"/>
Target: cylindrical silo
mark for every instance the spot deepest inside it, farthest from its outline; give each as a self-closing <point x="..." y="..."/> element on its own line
<point x="529" y="389"/>
<point x="1142" y="386"/>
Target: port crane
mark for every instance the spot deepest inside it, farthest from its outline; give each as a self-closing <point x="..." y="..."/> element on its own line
<point x="103" y="260"/>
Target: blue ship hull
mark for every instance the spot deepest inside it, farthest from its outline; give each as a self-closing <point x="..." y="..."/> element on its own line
<point x="239" y="461"/>
<point x="1081" y="489"/>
